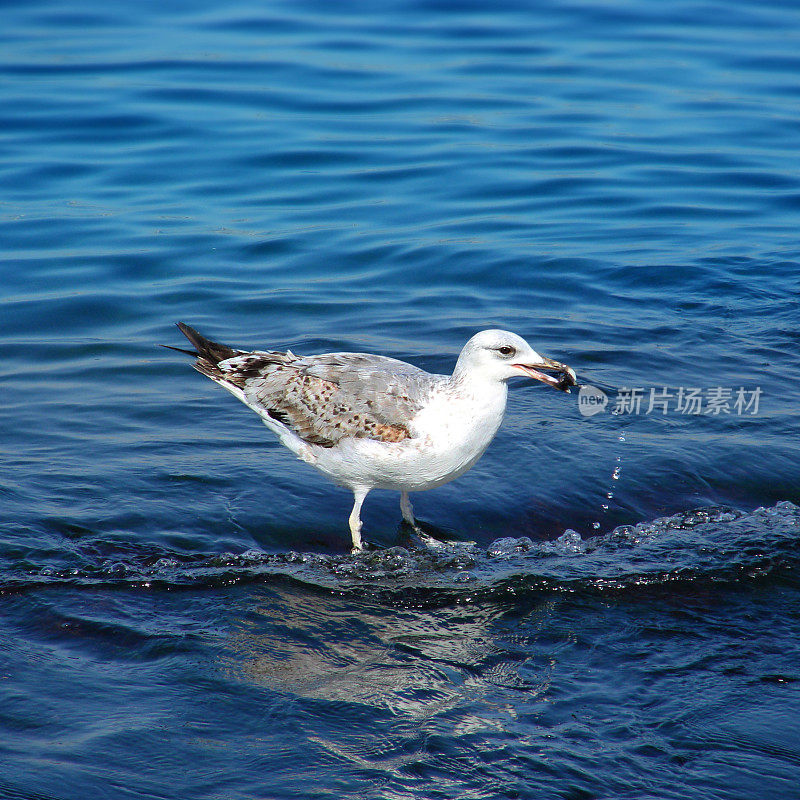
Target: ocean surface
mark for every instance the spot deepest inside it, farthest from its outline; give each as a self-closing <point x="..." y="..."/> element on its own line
<point x="613" y="611"/>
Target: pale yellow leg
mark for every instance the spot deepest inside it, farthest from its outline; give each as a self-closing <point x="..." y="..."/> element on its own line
<point x="355" y="518"/>
<point x="406" y="509"/>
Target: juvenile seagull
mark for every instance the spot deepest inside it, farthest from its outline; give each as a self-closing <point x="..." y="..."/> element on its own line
<point x="371" y="422"/>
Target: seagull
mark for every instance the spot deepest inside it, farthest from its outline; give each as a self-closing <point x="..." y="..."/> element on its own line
<point x="371" y="422"/>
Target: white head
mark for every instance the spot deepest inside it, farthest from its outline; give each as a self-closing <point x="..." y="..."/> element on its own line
<point x="497" y="355"/>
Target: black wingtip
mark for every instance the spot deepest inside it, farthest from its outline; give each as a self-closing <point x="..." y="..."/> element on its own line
<point x="192" y="353"/>
<point x="192" y="335"/>
<point x="204" y="348"/>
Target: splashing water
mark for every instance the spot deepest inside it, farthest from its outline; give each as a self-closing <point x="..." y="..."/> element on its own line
<point x="708" y="544"/>
<point x="616" y="473"/>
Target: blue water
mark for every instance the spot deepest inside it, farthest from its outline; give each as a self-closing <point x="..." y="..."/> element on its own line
<point x="619" y="182"/>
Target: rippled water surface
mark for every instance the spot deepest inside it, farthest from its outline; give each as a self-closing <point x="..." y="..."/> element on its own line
<point x="610" y="605"/>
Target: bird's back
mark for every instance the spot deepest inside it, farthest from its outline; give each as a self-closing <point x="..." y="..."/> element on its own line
<point x="325" y="398"/>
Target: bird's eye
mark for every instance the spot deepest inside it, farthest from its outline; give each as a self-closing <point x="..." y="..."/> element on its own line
<point x="506" y="350"/>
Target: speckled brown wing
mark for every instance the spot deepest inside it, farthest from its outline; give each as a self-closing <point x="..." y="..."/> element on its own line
<point x="330" y="397"/>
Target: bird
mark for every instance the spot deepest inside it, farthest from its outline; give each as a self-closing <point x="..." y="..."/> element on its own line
<point x="372" y="422"/>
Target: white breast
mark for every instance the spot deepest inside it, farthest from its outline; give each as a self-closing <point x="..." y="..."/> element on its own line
<point x="448" y="436"/>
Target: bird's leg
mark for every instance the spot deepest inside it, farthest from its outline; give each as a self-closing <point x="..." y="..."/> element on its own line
<point x="355" y="518"/>
<point x="407" y="510"/>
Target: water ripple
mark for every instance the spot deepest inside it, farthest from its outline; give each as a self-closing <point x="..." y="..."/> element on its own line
<point x="709" y="545"/>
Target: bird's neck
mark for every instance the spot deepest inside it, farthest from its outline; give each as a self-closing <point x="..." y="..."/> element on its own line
<point x="484" y="392"/>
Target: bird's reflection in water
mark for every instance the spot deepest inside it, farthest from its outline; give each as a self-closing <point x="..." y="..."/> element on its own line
<point x="411" y="661"/>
